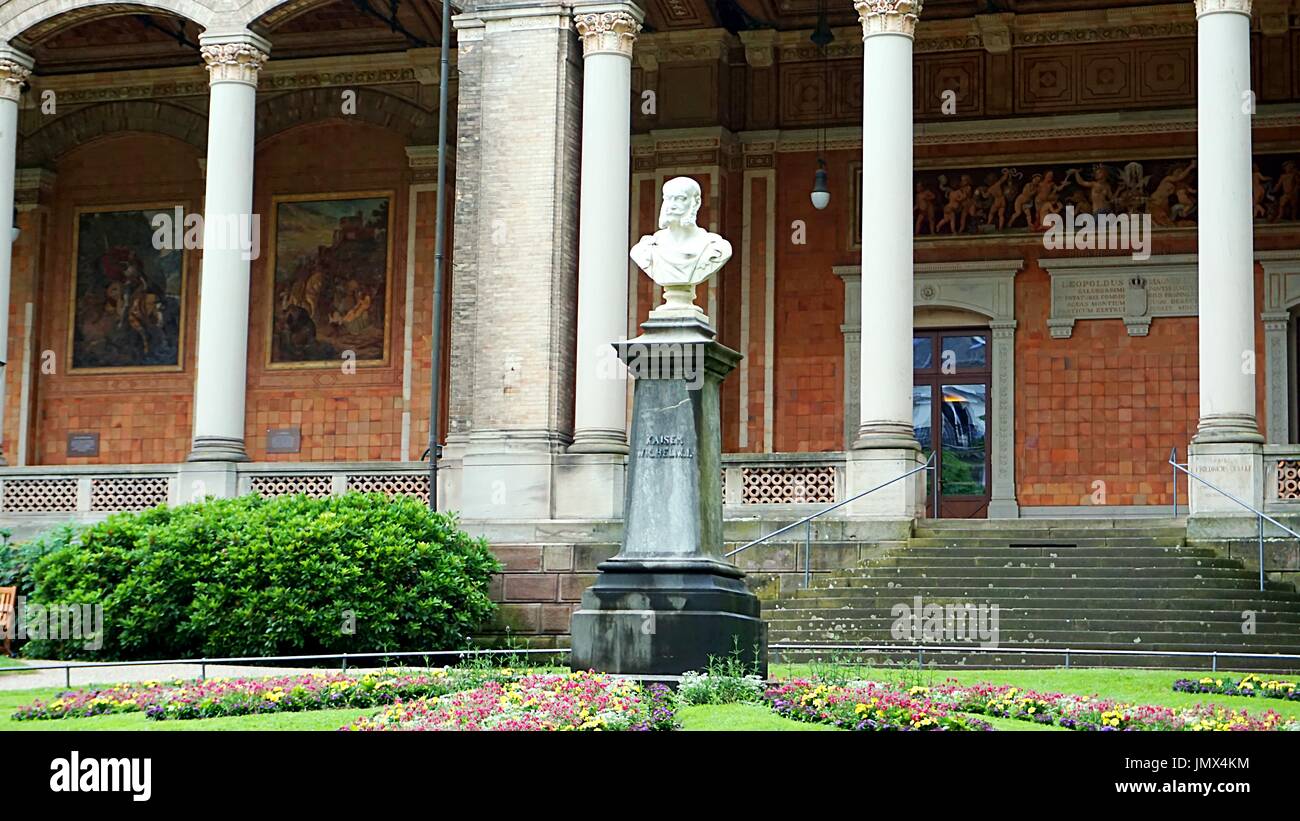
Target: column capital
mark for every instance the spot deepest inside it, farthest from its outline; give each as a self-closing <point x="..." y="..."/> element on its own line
<point x="606" y="30"/>
<point x="889" y="16"/>
<point x="15" y="68"/>
<point x="1204" y="7"/>
<point x="234" y="57"/>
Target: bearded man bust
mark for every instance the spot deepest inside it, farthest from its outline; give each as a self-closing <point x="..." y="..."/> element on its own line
<point x="680" y="255"/>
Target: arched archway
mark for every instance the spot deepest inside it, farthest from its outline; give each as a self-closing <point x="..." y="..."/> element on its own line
<point x="45" y="145"/>
<point x="280" y="112"/>
<point x="23" y="22"/>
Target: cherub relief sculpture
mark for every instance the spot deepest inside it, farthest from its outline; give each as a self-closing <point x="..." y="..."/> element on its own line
<point x="1288" y="183"/>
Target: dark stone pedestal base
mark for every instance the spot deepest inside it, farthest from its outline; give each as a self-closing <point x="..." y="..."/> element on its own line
<point x="668" y="618"/>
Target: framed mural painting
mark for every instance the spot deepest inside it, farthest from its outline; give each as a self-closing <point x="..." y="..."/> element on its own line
<point x="126" y="311"/>
<point x="331" y="270"/>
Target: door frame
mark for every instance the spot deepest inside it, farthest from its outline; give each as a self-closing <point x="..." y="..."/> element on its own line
<point x="957" y="506"/>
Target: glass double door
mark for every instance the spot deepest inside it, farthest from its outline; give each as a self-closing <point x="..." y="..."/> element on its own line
<point x="952" y="375"/>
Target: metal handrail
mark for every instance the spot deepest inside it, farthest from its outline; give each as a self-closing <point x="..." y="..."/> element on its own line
<point x="807" y="520"/>
<point x="1260" y="516"/>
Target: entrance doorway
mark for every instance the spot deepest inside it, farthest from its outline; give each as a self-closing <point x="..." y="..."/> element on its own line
<point x="952" y="381"/>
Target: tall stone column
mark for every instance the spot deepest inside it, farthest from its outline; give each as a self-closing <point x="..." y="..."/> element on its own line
<point x="233" y="61"/>
<point x="886" y="445"/>
<point x="523" y="211"/>
<point x="1226" y="449"/>
<point x="600" y="403"/>
<point x="15" y="68"/>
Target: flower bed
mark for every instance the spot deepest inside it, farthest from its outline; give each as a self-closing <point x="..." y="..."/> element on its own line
<point x="120" y="698"/>
<point x="865" y="706"/>
<point x="220" y="697"/>
<point x="1075" y="712"/>
<point x="1251" y="685"/>
<point x="576" y="701"/>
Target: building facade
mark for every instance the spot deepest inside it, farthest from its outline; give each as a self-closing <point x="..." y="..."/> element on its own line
<point x="1062" y="240"/>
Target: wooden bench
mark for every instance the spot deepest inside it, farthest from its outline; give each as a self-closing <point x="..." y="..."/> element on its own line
<point x="8" y="616"/>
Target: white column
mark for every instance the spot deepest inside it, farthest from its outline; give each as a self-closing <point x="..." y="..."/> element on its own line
<point x="233" y="61"/>
<point x="1227" y="448"/>
<point x="888" y="27"/>
<point x="1225" y="224"/>
<point x="15" y="68"/>
<point x="600" y="401"/>
<point x="886" y="447"/>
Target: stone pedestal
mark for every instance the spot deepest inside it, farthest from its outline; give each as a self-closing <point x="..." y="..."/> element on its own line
<point x="669" y="601"/>
<point x="1237" y="468"/>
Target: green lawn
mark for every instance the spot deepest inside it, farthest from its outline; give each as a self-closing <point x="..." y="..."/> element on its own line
<point x="739" y="717"/>
<point x="5" y="661"/>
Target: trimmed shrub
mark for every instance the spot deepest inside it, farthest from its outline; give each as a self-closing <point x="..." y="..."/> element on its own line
<point x="283" y="576"/>
<point x="17" y="561"/>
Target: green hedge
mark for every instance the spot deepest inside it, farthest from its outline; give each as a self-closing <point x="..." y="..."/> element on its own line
<point x="254" y="576"/>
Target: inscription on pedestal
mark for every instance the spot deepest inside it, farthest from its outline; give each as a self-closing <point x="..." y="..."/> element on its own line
<point x="665" y="447"/>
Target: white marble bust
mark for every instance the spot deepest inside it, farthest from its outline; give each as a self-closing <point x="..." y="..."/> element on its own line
<point x="680" y="255"/>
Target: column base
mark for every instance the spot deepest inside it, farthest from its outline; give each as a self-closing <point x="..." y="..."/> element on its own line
<point x="590" y="485"/>
<point x="1228" y="428"/>
<point x="1238" y="469"/>
<point x="868" y="468"/>
<point x="891" y="435"/>
<point x="1004" y="509"/>
<point x="217" y="449"/>
<point x="202" y="478"/>
<point x="509" y="474"/>
<point x="599" y="440"/>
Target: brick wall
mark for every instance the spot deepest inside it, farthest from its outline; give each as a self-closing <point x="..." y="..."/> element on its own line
<point x="343" y="416"/>
<point x="141" y="417"/>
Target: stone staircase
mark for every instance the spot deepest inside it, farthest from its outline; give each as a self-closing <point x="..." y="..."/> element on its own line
<point x="1125" y="584"/>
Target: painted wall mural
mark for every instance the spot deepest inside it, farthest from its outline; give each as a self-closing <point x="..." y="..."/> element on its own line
<point x="1020" y="198"/>
<point x="332" y="260"/>
<point x="127" y="295"/>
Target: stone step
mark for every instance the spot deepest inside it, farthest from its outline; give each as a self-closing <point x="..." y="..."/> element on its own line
<point x="1118" y="553"/>
<point x="1158" y="581"/>
<point x="1007" y="658"/>
<point x="1165" y="525"/>
<point x="1135" y="639"/>
<point x="940" y="563"/>
<point x="1075" y="596"/>
<point x="1055" y="543"/>
<point x="1034" y="616"/>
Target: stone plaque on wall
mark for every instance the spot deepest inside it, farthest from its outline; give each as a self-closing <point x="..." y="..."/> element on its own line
<point x="284" y="440"/>
<point x="83" y="444"/>
<point x="1122" y="289"/>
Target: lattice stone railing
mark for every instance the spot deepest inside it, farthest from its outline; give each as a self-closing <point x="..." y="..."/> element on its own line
<point x="316" y="486"/>
<point x="39" y="496"/>
<point x="783" y="479"/>
<point x="1282" y="477"/>
<point x="114" y="494"/>
<point x="87" y="489"/>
